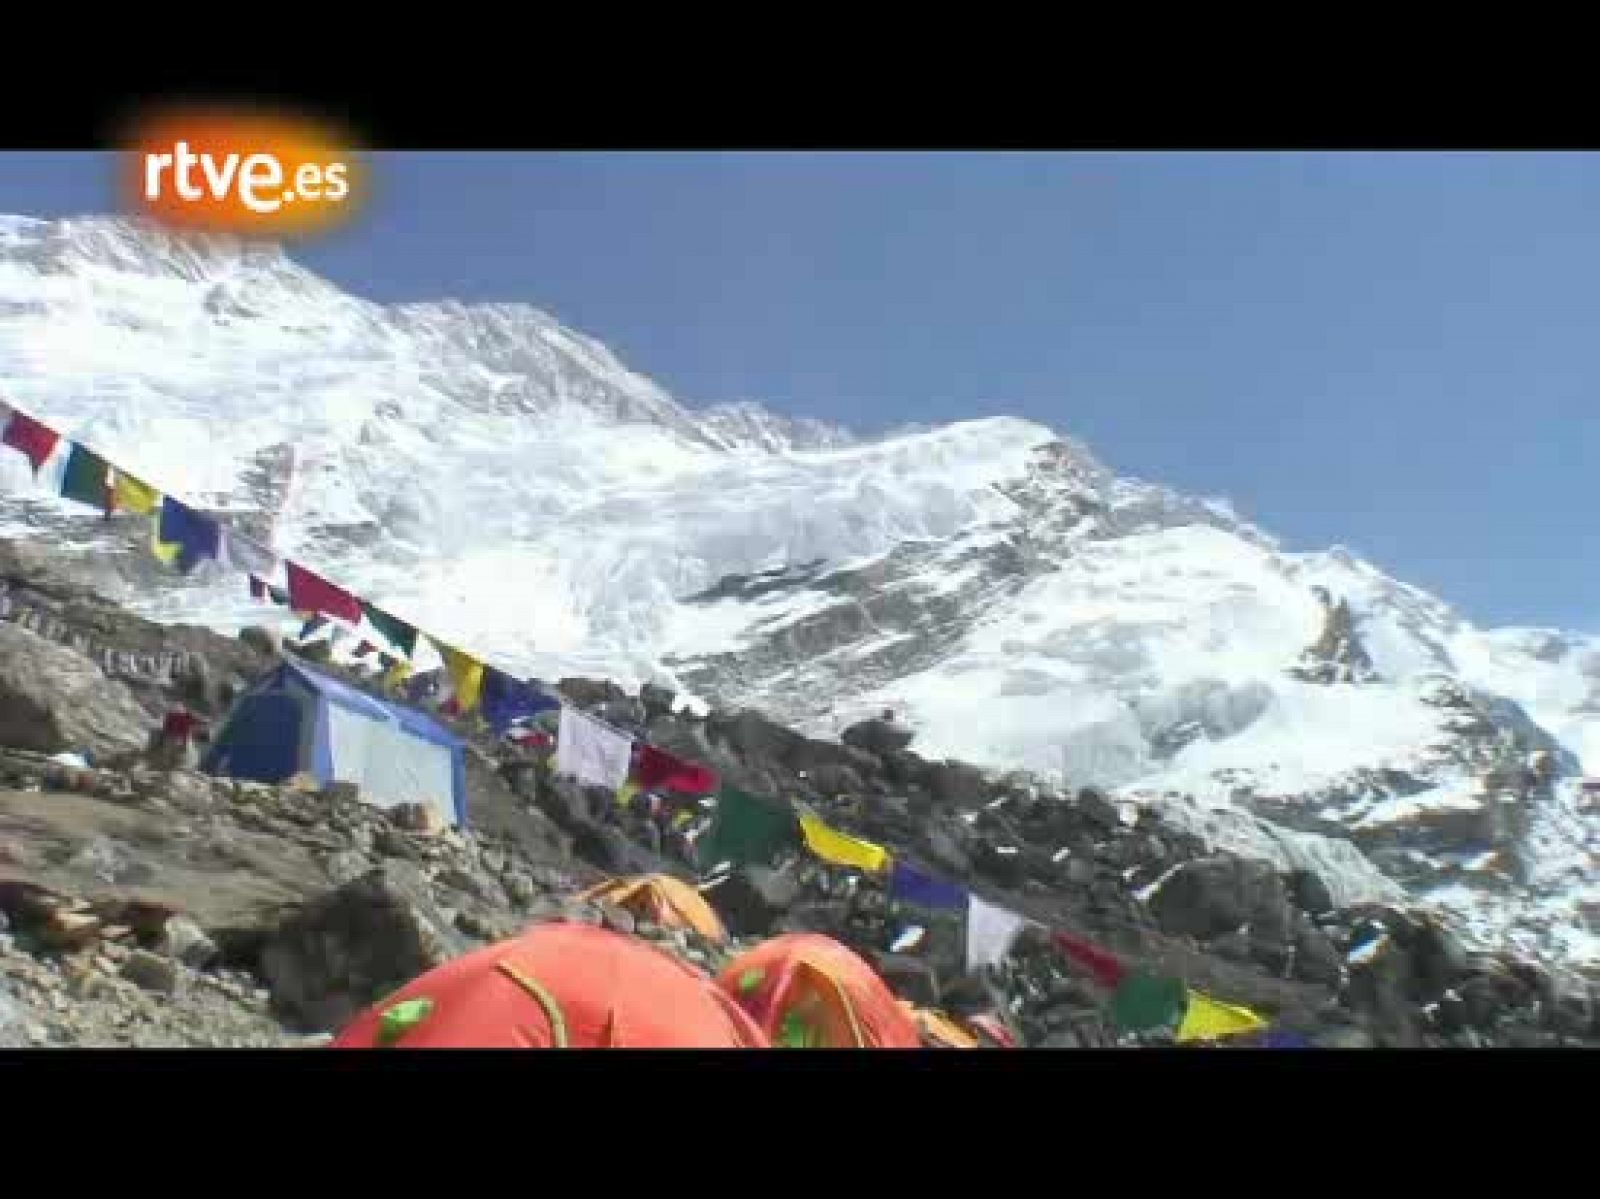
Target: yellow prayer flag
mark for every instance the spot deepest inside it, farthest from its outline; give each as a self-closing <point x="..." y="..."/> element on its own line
<point x="398" y="673"/>
<point x="132" y="495"/>
<point x="466" y="673"/>
<point x="626" y="792"/>
<point x="836" y="847"/>
<point x="167" y="551"/>
<point x="1207" y="1020"/>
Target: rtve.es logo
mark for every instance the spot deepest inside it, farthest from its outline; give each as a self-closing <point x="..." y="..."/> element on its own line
<point x="242" y="171"/>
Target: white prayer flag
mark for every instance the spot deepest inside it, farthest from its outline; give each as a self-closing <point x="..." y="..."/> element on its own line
<point x="990" y="932"/>
<point x="590" y="752"/>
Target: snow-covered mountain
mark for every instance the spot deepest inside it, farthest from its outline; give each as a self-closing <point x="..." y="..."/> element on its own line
<point x="508" y="484"/>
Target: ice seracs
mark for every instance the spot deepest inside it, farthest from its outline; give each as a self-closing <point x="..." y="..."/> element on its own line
<point x="510" y="484"/>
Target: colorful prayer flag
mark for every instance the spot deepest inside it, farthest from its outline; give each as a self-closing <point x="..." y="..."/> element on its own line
<point x="657" y="770"/>
<point x="590" y="752"/>
<point x="310" y="592"/>
<point x="195" y="535"/>
<point x="990" y="932"/>
<point x="37" y="441"/>
<point x="1149" y="1003"/>
<point x="1208" y="1020"/>
<point x="748" y="830"/>
<point x="466" y="674"/>
<point x="1283" y="1039"/>
<point x="507" y="700"/>
<point x="395" y="631"/>
<point x="87" y="478"/>
<point x="129" y="494"/>
<point x="1104" y="965"/>
<point x="840" y="849"/>
<point x="165" y="551"/>
<point x="907" y="884"/>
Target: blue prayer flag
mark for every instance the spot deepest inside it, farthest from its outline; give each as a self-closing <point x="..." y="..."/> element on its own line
<point x="197" y="536"/>
<point x="909" y="885"/>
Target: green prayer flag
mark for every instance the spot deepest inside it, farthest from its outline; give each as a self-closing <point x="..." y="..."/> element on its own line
<point x="87" y="478"/>
<point x="1149" y="1003"/>
<point x="748" y="831"/>
<point x="398" y="633"/>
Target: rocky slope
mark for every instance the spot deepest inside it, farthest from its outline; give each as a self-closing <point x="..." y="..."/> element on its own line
<point x="146" y="906"/>
<point x="509" y="484"/>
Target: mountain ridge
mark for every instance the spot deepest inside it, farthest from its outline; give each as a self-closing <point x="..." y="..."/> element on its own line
<point x="511" y="485"/>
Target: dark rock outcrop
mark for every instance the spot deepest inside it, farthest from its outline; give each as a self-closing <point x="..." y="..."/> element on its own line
<point x="357" y="943"/>
<point x="877" y="736"/>
<point x="1212" y="896"/>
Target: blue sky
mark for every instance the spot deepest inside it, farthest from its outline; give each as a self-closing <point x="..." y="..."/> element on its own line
<point x="1396" y="352"/>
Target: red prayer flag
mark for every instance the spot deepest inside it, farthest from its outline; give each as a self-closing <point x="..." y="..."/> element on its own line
<point x="35" y="440"/>
<point x="312" y="593"/>
<point x="656" y="768"/>
<point x="1108" y="971"/>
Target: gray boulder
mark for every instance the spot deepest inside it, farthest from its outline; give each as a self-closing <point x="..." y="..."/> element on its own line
<point x="53" y="699"/>
<point x="753" y="899"/>
<point x="351" y="946"/>
<point x="1211" y="896"/>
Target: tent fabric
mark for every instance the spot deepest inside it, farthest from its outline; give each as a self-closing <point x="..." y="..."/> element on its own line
<point x="990" y="932"/>
<point x="391" y="766"/>
<point x="299" y="720"/>
<point x="806" y="990"/>
<point x="748" y="831"/>
<point x="907" y="884"/>
<point x="833" y="846"/>
<point x="1149" y="1003"/>
<point x="663" y="900"/>
<point x="990" y="1028"/>
<point x="265" y="738"/>
<point x="558" y="985"/>
<point x="1206" y="1019"/>
<point x="657" y="770"/>
<point x="943" y="1031"/>
<point x="590" y="752"/>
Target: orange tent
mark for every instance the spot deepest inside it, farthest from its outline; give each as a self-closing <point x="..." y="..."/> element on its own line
<point x="807" y="990"/>
<point x="942" y="1032"/>
<point x="992" y="1032"/>
<point x="558" y="985"/>
<point x="662" y="899"/>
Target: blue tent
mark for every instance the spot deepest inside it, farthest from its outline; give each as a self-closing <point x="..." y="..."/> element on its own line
<point x="298" y="720"/>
